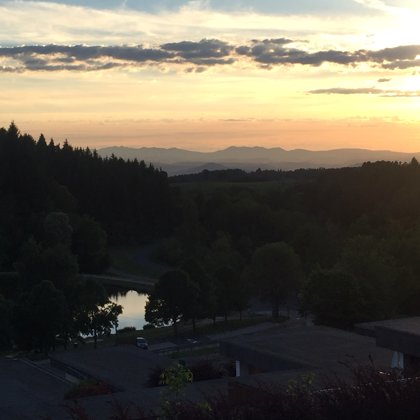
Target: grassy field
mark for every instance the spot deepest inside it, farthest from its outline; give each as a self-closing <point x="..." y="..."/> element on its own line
<point x="201" y="351"/>
<point x="157" y="335"/>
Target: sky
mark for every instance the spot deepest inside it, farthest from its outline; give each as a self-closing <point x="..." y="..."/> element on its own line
<point x="208" y="74"/>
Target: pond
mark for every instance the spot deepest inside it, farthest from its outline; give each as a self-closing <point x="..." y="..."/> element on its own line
<point x="133" y="304"/>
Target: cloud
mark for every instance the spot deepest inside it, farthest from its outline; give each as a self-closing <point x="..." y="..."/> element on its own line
<point x="367" y="91"/>
<point x="346" y="91"/>
<point x="402" y="64"/>
<point x="265" y="53"/>
<point x="321" y="7"/>
<point x="195" y="69"/>
<point x="206" y="48"/>
<point x="83" y="52"/>
<point x="269" y="52"/>
<point x="207" y="52"/>
<point x="106" y="22"/>
<point x="90" y="58"/>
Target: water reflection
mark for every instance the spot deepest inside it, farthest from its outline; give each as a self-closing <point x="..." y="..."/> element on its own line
<point x="133" y="304"/>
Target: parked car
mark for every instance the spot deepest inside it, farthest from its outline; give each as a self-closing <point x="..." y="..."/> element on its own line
<point x="142" y="343"/>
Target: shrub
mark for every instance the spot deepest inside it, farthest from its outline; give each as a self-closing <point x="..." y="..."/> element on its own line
<point x="88" y="388"/>
<point x="154" y="377"/>
<point x="202" y="371"/>
<point x="126" y="330"/>
<point x="371" y="396"/>
<point x="205" y="370"/>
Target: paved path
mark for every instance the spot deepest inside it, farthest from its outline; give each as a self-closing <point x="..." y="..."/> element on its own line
<point x="241" y="331"/>
<point x="27" y="392"/>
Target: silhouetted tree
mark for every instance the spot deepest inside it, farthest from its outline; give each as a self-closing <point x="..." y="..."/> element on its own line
<point x="6" y="310"/>
<point x="334" y="298"/>
<point x="171" y="299"/>
<point x="203" y="304"/>
<point x="57" y="229"/>
<point x="276" y="272"/>
<point x="227" y="283"/>
<point x="40" y="316"/>
<point x="90" y="246"/>
<point x="95" y="315"/>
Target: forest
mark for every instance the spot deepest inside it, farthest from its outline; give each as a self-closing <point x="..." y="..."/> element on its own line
<point x="59" y="208"/>
<point x="343" y="244"/>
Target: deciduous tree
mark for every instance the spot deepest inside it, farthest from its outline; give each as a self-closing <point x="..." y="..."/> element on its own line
<point x="171" y="299"/>
<point x="276" y="272"/>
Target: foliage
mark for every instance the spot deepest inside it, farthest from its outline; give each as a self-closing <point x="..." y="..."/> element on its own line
<point x="126" y="330"/>
<point x="130" y="199"/>
<point x="9" y="285"/>
<point x="57" y="229"/>
<point x="6" y="308"/>
<point x="96" y="315"/>
<point x="362" y="222"/>
<point x="227" y="284"/>
<point x="358" y="288"/>
<point x="276" y="272"/>
<point x="353" y="232"/>
<point x="40" y="316"/>
<point x="206" y="370"/>
<point x="171" y="299"/>
<point x="203" y="304"/>
<point x="156" y="335"/>
<point x="335" y="298"/>
<point x="87" y="388"/>
<point x="200" y="371"/>
<point x="90" y="245"/>
<point x="176" y="378"/>
<point x="154" y="377"/>
<point x="50" y="297"/>
<point x="372" y="395"/>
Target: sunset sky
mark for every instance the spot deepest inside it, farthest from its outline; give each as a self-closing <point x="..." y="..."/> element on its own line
<point x="204" y="75"/>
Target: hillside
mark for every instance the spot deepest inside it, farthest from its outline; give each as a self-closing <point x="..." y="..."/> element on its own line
<point x="178" y="161"/>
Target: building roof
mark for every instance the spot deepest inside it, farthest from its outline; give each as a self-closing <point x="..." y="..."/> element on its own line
<point x="309" y="348"/>
<point x="123" y="367"/>
<point x="409" y="325"/>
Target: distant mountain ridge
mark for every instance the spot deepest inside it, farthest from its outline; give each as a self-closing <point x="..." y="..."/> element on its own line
<point x="179" y="161"/>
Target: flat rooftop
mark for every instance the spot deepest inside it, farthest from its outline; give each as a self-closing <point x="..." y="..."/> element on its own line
<point x="408" y="325"/>
<point x="123" y="367"/>
<point x="309" y="348"/>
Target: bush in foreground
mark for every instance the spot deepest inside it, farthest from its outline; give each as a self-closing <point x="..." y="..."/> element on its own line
<point x="201" y="371"/>
<point x="87" y="388"/>
<point x="371" y="396"/>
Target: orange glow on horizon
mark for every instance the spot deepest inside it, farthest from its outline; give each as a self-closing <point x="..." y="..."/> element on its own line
<point x="219" y="134"/>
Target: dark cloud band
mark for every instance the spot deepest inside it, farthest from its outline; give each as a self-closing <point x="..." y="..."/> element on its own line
<point x="205" y="53"/>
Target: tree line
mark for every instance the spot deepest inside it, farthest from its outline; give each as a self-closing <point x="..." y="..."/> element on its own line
<point x="129" y="199"/>
<point x="46" y="300"/>
<point x="345" y="242"/>
<point x="355" y="232"/>
<point x="59" y="208"/>
<point x="193" y="292"/>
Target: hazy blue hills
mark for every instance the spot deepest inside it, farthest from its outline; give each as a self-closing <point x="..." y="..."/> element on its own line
<point x="180" y="161"/>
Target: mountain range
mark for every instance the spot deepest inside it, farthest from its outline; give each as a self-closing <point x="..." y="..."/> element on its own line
<point x="179" y="161"/>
